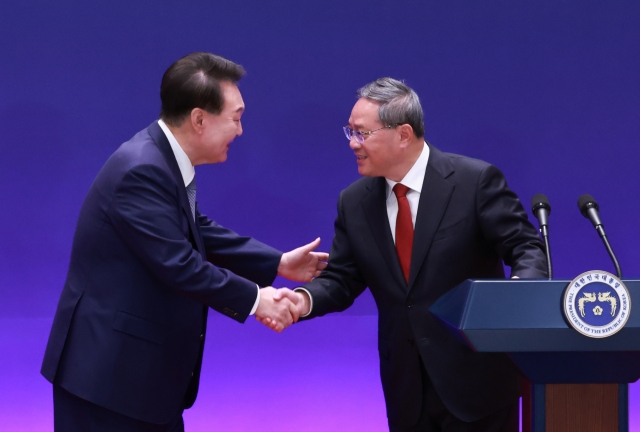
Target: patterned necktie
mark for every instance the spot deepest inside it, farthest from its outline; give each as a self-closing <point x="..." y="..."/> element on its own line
<point x="404" y="229"/>
<point x="191" y="194"/>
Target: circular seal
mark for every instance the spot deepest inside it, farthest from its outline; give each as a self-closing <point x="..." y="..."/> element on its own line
<point x="597" y="304"/>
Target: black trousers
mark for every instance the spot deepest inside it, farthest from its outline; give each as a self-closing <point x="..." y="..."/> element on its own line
<point x="74" y="414"/>
<point x="435" y="417"/>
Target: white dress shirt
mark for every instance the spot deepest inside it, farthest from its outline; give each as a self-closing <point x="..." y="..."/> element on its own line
<point x="188" y="173"/>
<point x="413" y="180"/>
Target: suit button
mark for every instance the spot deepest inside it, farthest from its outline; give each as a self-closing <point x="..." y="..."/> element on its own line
<point x="410" y="340"/>
<point x="409" y="305"/>
<point x="201" y="337"/>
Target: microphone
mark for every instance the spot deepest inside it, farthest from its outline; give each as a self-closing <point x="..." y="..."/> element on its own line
<point x="589" y="209"/>
<point x="541" y="209"/>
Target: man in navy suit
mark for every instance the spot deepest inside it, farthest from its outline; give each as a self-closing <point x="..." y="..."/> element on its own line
<point x="419" y="223"/>
<point x="126" y="344"/>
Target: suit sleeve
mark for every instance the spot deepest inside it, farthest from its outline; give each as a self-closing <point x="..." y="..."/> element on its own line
<point x="341" y="282"/>
<point x="244" y="256"/>
<point x="145" y="213"/>
<point x="505" y="224"/>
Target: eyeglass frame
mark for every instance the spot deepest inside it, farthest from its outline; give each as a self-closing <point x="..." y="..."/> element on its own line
<point x="352" y="133"/>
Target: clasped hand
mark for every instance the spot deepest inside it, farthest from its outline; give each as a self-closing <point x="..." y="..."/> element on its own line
<point x="279" y="308"/>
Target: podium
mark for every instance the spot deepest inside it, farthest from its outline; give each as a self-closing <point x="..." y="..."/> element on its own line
<point x="575" y="382"/>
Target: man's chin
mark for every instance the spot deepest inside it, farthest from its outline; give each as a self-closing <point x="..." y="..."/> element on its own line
<point x="363" y="171"/>
<point x="221" y="158"/>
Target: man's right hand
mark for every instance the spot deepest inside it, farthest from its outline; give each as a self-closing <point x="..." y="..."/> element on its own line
<point x="300" y="298"/>
<point x="276" y="310"/>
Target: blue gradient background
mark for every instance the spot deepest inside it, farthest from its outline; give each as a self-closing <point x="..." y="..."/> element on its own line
<point x="548" y="91"/>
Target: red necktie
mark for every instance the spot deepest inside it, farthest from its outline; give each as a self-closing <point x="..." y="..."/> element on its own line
<point x="404" y="229"/>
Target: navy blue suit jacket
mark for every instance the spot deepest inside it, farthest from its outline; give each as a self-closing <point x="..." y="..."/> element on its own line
<point x="129" y="330"/>
<point x="468" y="223"/>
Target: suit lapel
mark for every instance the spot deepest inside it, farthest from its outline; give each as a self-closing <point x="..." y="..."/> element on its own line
<point x="162" y="142"/>
<point x="434" y="199"/>
<point x="375" y="211"/>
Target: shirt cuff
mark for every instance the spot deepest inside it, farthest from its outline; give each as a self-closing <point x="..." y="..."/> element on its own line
<point x="255" y="305"/>
<point x="310" y="300"/>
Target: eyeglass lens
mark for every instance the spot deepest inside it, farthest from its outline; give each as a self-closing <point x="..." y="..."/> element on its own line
<point x="348" y="132"/>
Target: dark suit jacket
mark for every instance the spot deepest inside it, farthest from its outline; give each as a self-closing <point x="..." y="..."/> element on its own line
<point x="129" y="330"/>
<point x="468" y="222"/>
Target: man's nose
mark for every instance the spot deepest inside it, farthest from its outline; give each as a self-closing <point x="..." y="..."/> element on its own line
<point x="353" y="143"/>
<point x="239" y="129"/>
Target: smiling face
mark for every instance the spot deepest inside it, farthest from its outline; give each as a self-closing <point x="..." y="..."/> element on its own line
<point x="380" y="153"/>
<point x="217" y="131"/>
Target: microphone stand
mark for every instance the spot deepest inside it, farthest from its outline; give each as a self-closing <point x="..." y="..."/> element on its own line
<point x="589" y="209"/>
<point x="541" y="209"/>
<point x="611" y="254"/>
<point x="545" y="236"/>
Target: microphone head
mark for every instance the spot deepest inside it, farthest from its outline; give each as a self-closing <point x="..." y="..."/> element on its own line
<point x="540" y="201"/>
<point x="586" y="202"/>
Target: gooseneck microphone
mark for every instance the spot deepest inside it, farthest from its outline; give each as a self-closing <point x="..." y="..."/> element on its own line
<point x="541" y="209"/>
<point x="589" y="209"/>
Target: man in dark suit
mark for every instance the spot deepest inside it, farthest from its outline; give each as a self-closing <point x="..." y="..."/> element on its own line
<point x="126" y="344"/>
<point x="419" y="223"/>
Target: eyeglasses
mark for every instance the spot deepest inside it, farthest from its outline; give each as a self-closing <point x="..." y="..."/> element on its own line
<point x="359" y="136"/>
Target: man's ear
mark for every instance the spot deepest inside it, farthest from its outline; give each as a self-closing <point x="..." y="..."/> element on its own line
<point x="197" y="120"/>
<point x="406" y="134"/>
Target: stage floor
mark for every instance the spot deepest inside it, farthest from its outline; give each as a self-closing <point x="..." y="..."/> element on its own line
<point x="320" y="375"/>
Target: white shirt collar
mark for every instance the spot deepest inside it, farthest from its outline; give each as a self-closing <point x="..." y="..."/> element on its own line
<point x="415" y="177"/>
<point x="186" y="167"/>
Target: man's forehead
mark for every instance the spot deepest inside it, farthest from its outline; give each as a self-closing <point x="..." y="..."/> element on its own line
<point x="231" y="107"/>
<point x="364" y="112"/>
<point x="232" y="97"/>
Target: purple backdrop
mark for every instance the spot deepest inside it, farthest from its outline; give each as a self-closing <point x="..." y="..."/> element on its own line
<point x="548" y="91"/>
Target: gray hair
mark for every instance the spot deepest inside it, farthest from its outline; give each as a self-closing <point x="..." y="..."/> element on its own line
<point x="399" y="104"/>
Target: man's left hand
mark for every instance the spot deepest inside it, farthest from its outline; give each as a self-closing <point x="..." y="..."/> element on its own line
<point x="303" y="264"/>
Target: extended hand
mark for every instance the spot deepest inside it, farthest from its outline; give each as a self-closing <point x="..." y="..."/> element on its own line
<point x="302" y="264"/>
<point x="276" y="314"/>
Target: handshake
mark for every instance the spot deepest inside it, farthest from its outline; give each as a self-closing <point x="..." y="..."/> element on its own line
<point x="279" y="308"/>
